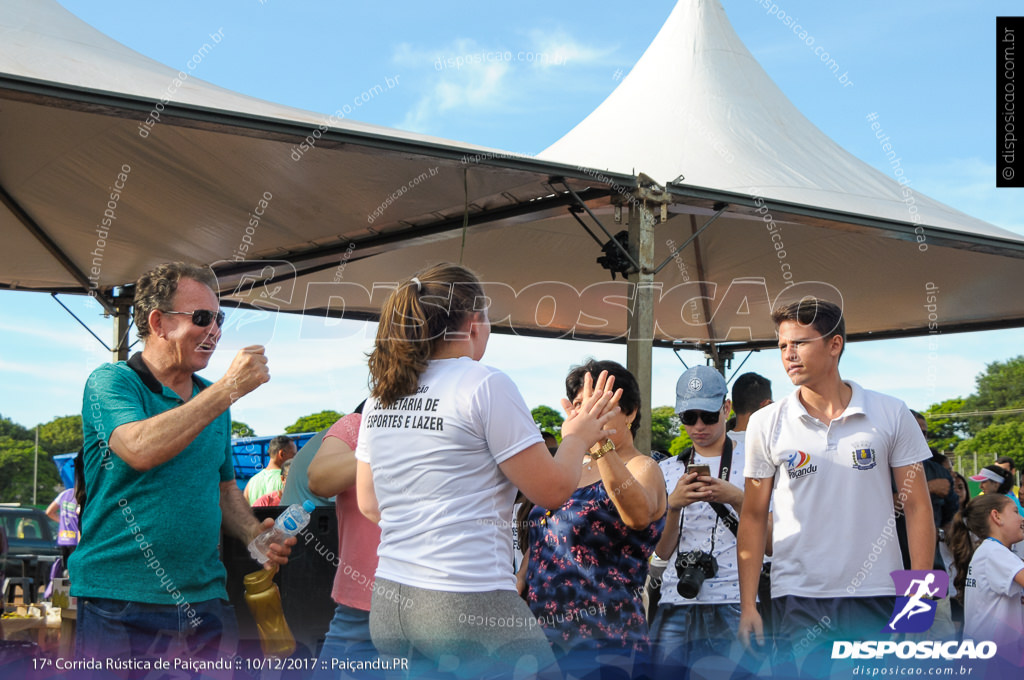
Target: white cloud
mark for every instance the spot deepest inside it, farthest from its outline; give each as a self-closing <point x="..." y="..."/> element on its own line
<point x="558" y="48"/>
<point x="482" y="89"/>
<point x="479" y="88"/>
<point x="475" y="78"/>
<point x="52" y="374"/>
<point x="74" y="339"/>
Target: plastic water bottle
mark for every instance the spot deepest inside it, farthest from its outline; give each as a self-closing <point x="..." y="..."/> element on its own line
<point x="289" y="523"/>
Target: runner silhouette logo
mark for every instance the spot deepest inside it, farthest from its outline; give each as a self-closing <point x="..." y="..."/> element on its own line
<point x="915" y="608"/>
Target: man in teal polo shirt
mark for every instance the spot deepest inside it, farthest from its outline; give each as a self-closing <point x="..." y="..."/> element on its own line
<point x="160" y="482"/>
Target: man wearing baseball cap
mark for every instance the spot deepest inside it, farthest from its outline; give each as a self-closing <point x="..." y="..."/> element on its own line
<point x="699" y="608"/>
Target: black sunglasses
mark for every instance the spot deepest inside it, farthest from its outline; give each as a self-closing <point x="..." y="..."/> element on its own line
<point x="709" y="417"/>
<point x="203" y="317"/>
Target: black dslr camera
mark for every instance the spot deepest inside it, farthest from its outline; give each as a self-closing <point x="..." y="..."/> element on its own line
<point x="693" y="568"/>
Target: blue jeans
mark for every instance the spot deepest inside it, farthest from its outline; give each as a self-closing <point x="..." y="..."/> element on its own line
<point x="140" y="630"/>
<point x="704" y="635"/>
<point x="347" y="638"/>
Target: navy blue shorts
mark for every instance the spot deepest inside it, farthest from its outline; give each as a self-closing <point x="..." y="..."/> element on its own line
<point x="805" y="628"/>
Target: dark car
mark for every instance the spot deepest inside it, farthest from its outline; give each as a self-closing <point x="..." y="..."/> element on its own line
<point x="31" y="543"/>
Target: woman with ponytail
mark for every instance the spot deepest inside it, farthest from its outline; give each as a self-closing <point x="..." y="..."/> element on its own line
<point x="443" y="445"/>
<point x="989" y="578"/>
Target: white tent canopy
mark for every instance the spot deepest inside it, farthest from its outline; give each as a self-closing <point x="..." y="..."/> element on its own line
<point x="698" y="105"/>
<point x="73" y="102"/>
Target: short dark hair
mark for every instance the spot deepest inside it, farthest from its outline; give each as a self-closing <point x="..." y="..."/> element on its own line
<point x="279" y="443"/>
<point x="630" y="400"/>
<point x="823" y="316"/>
<point x="918" y="416"/>
<point x="749" y="390"/>
<point x="156" y="288"/>
<point x="1006" y="459"/>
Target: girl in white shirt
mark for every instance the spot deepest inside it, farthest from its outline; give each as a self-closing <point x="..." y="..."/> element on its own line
<point x="443" y="444"/>
<point x="989" y="577"/>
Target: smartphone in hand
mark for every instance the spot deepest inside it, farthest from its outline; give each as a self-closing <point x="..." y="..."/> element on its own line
<point x="701" y="470"/>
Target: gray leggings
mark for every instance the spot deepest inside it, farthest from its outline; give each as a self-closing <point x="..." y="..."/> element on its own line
<point x="470" y="635"/>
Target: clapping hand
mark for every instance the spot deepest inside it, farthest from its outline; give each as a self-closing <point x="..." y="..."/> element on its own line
<point x="598" y="406"/>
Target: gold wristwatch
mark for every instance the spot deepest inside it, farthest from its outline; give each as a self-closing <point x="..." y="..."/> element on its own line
<point x="598" y="450"/>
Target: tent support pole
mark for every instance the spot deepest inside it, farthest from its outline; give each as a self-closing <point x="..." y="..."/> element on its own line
<point x="122" y="325"/>
<point x="721" y="359"/>
<point x="641" y="319"/>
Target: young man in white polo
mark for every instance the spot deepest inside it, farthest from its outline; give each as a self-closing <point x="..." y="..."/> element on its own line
<point x="826" y="452"/>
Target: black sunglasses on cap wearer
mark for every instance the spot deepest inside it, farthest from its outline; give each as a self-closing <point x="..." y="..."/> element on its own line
<point x="203" y="317"/>
<point x="689" y="418"/>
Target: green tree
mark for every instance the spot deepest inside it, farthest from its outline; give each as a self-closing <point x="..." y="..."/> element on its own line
<point x="314" y="422"/>
<point x="664" y="428"/>
<point x="945" y="433"/>
<point x="240" y="429"/>
<point x="9" y="428"/>
<point x="17" y="460"/>
<point x="680" y="444"/>
<point x="1001" y="439"/>
<point x="1000" y="386"/>
<point x="62" y="435"/>
<point x="548" y="419"/>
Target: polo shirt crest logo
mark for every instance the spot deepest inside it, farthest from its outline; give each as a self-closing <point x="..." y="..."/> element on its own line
<point x="799" y="464"/>
<point x="864" y="459"/>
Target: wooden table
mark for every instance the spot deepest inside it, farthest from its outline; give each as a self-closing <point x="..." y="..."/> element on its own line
<point x="37" y="625"/>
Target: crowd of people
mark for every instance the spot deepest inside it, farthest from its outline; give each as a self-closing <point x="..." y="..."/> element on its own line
<point x="752" y="551"/>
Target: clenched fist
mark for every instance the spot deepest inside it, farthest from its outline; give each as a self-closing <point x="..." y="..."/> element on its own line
<point x="248" y="371"/>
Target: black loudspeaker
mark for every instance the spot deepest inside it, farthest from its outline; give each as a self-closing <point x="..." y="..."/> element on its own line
<point x="305" y="582"/>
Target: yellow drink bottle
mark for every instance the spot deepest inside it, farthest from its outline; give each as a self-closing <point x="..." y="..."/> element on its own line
<point x="264" y="600"/>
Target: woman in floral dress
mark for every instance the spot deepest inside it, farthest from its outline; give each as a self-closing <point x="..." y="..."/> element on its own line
<point x="587" y="560"/>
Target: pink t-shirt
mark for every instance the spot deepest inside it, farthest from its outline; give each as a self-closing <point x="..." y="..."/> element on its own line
<point x="268" y="500"/>
<point x="358" y="537"/>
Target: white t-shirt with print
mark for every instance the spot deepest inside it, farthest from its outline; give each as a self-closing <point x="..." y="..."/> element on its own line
<point x="835" y="531"/>
<point x="698" y="522"/>
<point x="445" y="505"/>
<point x="993" y="601"/>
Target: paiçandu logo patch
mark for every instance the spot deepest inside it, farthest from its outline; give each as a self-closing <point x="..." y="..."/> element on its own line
<point x="914" y="612"/>
<point x="799" y="464"/>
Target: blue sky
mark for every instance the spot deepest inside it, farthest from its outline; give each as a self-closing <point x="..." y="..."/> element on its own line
<point x="926" y="68"/>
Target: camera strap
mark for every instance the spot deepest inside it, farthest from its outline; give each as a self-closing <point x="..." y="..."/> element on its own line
<point x="724" y="514"/>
